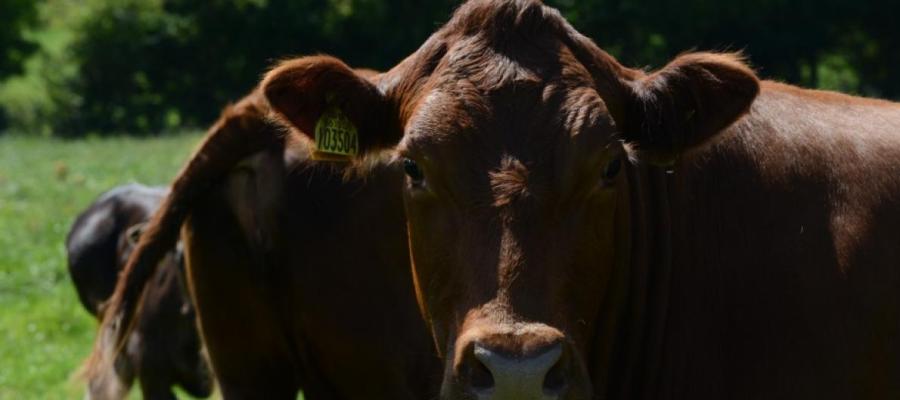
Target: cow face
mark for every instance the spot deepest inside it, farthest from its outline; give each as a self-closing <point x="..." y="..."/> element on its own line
<point x="168" y="329"/>
<point x="514" y="132"/>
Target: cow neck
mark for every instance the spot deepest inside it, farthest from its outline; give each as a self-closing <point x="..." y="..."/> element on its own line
<point x="635" y="313"/>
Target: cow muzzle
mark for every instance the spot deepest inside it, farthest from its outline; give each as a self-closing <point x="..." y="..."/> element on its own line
<point x="519" y="362"/>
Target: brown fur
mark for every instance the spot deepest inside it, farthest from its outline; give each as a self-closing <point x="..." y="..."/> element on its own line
<point x="216" y="155"/>
<point x="507" y="99"/>
<point x="276" y="316"/>
<point x="98" y="246"/>
<point x="329" y="300"/>
<point x="223" y="147"/>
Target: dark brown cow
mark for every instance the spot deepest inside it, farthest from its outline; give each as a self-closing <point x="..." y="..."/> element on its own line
<point x="164" y="350"/>
<point x="103" y="236"/>
<point x="299" y="271"/>
<point x="555" y="258"/>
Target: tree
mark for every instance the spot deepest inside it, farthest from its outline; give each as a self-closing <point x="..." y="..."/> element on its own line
<point x="149" y="65"/>
<point x="18" y="15"/>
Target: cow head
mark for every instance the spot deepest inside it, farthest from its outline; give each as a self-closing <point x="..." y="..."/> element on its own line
<point x="514" y="131"/>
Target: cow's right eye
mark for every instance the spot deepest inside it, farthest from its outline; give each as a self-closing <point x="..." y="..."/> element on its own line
<point x="413" y="171"/>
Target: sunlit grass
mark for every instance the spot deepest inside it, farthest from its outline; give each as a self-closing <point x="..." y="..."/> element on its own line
<point x="44" y="183"/>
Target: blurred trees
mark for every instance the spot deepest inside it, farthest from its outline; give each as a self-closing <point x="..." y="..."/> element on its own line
<point x="148" y="65"/>
<point x="141" y="66"/>
<point x="813" y="43"/>
<point x="17" y="16"/>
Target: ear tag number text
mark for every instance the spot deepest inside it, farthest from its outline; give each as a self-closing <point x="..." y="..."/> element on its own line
<point x="335" y="135"/>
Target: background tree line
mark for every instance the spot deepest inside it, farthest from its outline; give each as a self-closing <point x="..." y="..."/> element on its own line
<point x="77" y="67"/>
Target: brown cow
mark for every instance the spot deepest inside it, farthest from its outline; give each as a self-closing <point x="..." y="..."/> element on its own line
<point x="164" y="349"/>
<point x="555" y="258"/>
<point x="295" y="287"/>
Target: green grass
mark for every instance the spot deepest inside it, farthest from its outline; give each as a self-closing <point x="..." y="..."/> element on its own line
<point x="44" y="183"/>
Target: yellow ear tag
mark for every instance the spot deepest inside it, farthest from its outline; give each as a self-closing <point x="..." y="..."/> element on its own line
<point x="336" y="137"/>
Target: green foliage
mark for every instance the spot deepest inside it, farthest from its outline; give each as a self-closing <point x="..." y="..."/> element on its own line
<point x="18" y="15"/>
<point x="124" y="62"/>
<point x="783" y="39"/>
<point x="44" y="183"/>
<point x="145" y="66"/>
<point x="15" y="47"/>
<point x="35" y="101"/>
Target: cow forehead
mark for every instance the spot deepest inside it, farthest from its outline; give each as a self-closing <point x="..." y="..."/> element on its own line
<point x="531" y="117"/>
<point x="478" y="84"/>
<point x="499" y="82"/>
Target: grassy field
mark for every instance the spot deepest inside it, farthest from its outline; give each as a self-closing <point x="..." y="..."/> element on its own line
<point x="44" y="183"/>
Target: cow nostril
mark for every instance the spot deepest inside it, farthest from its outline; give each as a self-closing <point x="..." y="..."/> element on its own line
<point x="480" y="377"/>
<point x="555" y="380"/>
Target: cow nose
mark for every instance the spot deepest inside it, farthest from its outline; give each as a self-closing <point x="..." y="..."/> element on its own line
<point x="495" y="375"/>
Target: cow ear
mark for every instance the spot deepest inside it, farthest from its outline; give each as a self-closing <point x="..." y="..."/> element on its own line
<point x="320" y="94"/>
<point x="686" y="103"/>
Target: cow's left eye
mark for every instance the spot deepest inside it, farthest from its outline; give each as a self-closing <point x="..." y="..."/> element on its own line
<point x="412" y="170"/>
<point x="612" y="169"/>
